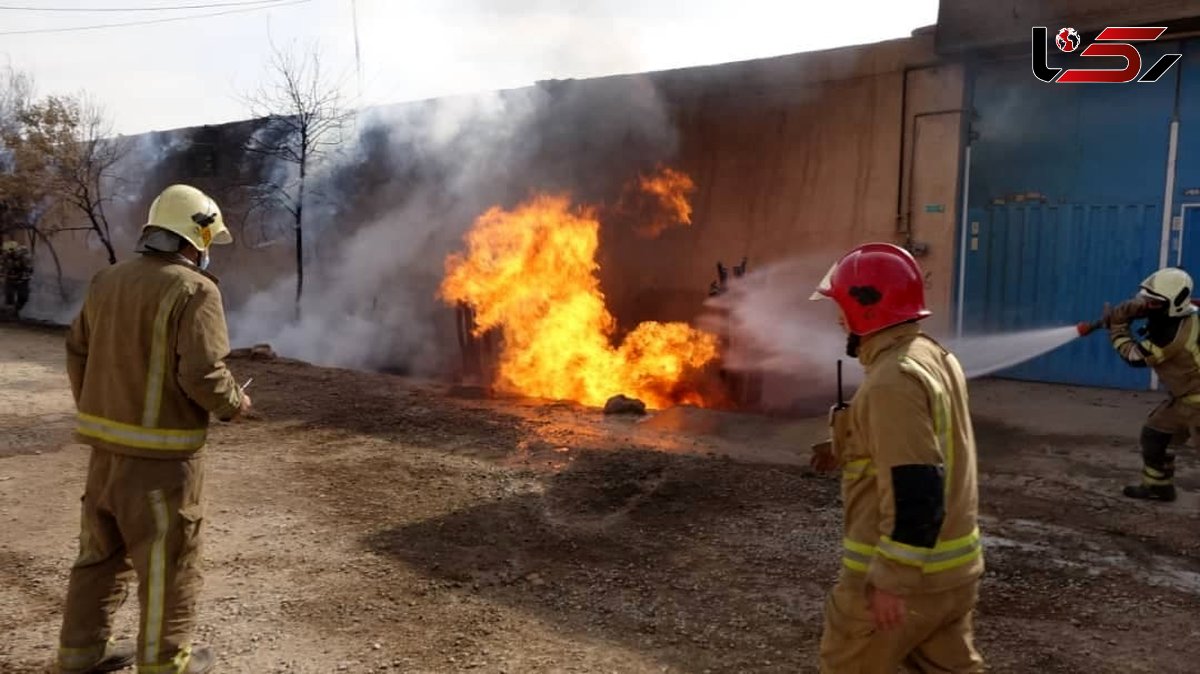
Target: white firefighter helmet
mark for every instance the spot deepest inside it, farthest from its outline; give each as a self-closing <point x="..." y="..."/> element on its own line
<point x="1172" y="286"/>
<point x="191" y="214"/>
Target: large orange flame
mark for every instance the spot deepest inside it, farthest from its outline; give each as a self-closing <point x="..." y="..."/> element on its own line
<point x="531" y="271"/>
<point x="670" y="188"/>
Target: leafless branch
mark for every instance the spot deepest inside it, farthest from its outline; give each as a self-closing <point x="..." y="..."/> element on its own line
<point x="302" y="113"/>
<point x="67" y="155"/>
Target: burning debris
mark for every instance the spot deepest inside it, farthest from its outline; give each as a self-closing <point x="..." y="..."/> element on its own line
<point x="531" y="273"/>
<point x="721" y="285"/>
<point x="622" y="404"/>
<point x="668" y="189"/>
<point x="478" y="349"/>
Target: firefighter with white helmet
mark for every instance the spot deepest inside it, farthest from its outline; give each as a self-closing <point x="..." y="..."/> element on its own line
<point x="912" y="555"/>
<point x="146" y="363"/>
<point x="1169" y="343"/>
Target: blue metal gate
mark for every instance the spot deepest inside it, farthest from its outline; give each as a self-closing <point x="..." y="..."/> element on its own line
<point x="1037" y="266"/>
<point x="1185" y="239"/>
<point x="1064" y="211"/>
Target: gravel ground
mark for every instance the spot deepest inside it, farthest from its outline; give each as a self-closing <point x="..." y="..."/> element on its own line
<point x="370" y="523"/>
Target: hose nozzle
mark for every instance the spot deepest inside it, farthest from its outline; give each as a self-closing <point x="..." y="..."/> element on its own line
<point x="1086" y="328"/>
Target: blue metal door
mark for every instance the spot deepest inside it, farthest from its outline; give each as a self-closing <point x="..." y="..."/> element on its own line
<point x="1185" y="235"/>
<point x="1038" y="266"/>
<point x="1064" y="211"/>
<point x="1185" y="242"/>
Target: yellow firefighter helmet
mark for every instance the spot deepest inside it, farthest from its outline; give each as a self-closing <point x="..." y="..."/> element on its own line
<point x="190" y="213"/>
<point x="1171" y="286"/>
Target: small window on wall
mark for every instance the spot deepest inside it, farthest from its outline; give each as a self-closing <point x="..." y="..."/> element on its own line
<point x="202" y="160"/>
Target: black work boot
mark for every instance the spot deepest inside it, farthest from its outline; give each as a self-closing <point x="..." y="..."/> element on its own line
<point x="201" y="661"/>
<point x="117" y="656"/>
<point x="1151" y="492"/>
<point x="1156" y="482"/>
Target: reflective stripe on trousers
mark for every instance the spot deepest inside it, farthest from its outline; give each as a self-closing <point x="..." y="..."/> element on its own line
<point x="82" y="658"/>
<point x="157" y="578"/>
<point x="177" y="664"/>
<point x="1154" y="477"/>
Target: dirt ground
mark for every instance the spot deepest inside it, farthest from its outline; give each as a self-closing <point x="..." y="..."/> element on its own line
<point x="372" y="523"/>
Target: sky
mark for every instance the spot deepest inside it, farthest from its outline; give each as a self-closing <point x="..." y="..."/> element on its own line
<point x="194" y="70"/>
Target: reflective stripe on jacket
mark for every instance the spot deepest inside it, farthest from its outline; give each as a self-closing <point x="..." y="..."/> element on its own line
<point x="910" y="410"/>
<point x="1177" y="364"/>
<point x="146" y="359"/>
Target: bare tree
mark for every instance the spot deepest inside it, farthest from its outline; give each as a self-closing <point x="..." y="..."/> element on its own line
<point x="23" y="191"/>
<point x="16" y="91"/>
<point x="65" y="143"/>
<point x="303" y="116"/>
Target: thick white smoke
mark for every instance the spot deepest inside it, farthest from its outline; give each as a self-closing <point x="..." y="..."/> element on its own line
<point x="390" y="207"/>
<point x="773" y="329"/>
<point x="371" y="302"/>
<point x="771" y="322"/>
<point x="373" y="308"/>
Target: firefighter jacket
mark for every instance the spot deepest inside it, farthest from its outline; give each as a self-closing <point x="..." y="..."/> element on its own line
<point x="146" y="359"/>
<point x="1175" y="358"/>
<point x="909" y="478"/>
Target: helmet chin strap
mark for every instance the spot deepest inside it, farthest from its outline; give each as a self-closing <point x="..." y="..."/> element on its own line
<point x="853" y="342"/>
<point x="204" y="260"/>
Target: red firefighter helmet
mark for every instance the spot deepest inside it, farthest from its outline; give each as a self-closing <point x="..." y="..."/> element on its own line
<point x="877" y="285"/>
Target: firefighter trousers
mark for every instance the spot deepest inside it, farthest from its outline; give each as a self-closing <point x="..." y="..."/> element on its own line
<point x="936" y="636"/>
<point x="16" y="294"/>
<point x="140" y="517"/>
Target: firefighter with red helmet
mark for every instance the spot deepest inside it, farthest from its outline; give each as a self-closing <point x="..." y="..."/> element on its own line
<point x="912" y="556"/>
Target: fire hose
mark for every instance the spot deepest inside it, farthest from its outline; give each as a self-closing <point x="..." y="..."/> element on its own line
<point x="1086" y="328"/>
<point x="1130" y="310"/>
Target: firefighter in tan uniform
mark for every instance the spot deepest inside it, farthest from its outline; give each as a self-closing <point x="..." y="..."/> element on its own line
<point x="16" y="271"/>
<point x="145" y="359"/>
<point x="912" y="557"/>
<point x="1170" y="344"/>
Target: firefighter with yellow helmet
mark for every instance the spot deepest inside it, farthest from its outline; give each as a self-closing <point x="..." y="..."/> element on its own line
<point x="912" y="557"/>
<point x="146" y="363"/>
<point x="1170" y="344"/>
<point x="16" y="271"/>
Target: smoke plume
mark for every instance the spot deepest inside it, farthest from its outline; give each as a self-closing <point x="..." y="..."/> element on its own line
<point x="392" y="205"/>
<point x="772" y="327"/>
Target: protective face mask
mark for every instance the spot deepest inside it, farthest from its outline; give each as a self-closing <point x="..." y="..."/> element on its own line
<point x="204" y="260"/>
